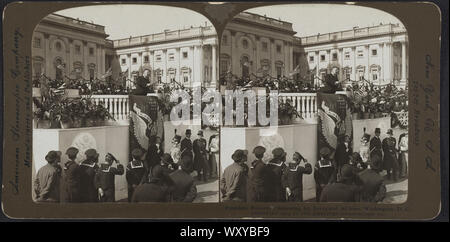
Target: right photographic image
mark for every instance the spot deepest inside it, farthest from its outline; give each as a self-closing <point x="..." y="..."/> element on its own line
<point x="333" y="81"/>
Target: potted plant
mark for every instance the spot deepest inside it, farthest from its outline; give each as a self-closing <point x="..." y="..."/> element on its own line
<point x="286" y="112"/>
<point x="102" y="115"/>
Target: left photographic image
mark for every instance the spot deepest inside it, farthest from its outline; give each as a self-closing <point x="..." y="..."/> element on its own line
<point x="103" y="78"/>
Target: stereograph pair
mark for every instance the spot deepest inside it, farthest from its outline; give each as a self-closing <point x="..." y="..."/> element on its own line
<point x="307" y="105"/>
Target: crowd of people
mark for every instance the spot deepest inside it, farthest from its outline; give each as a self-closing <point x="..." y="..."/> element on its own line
<point x="340" y="176"/>
<point x="152" y="176"/>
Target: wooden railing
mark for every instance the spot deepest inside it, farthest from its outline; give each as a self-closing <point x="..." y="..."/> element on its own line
<point x="305" y="103"/>
<point x="118" y="106"/>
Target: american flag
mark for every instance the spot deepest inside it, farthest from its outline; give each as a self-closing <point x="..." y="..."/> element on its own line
<point x="107" y="74"/>
<point x="60" y="90"/>
<point x="295" y="71"/>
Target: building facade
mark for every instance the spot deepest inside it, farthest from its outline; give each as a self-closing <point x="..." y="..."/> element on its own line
<point x="255" y="44"/>
<point x="64" y="46"/>
<point x="187" y="56"/>
<point x="250" y="44"/>
<point x="377" y="54"/>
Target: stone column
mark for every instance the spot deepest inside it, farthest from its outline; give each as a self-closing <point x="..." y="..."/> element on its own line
<point x="403" y="80"/>
<point x="214" y="66"/>
<point x="291" y="57"/>
<point x="381" y="74"/>
<point x="367" y="71"/>
<point x="85" y="60"/>
<point x="272" y="57"/>
<point x="354" y="64"/>
<point x="341" y="64"/>
<point x="47" y="56"/>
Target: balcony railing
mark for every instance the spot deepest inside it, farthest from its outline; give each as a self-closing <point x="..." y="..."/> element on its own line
<point x="304" y="103"/>
<point x="117" y="105"/>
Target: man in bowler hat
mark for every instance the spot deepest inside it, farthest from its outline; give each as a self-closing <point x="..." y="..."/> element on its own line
<point x="390" y="156"/>
<point x="233" y="184"/>
<point x="70" y="178"/>
<point x="46" y="185"/>
<point x="257" y="181"/>
<point x="135" y="172"/>
<point x="200" y="157"/>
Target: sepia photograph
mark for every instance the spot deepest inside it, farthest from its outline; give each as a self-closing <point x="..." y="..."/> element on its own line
<point x="101" y="94"/>
<point x="340" y="76"/>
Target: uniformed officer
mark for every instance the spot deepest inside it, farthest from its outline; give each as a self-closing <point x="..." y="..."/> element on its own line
<point x="324" y="171"/>
<point x="376" y="154"/>
<point x="293" y="177"/>
<point x="186" y="144"/>
<point x="46" y="185"/>
<point x="135" y="172"/>
<point x="233" y="184"/>
<point x="373" y="187"/>
<point x="276" y="168"/>
<point x="390" y="156"/>
<point x="105" y="178"/>
<point x="200" y="159"/>
<point x="184" y="187"/>
<point x="88" y="170"/>
<point x="256" y="191"/>
<point x="70" y="178"/>
<point x="342" y="191"/>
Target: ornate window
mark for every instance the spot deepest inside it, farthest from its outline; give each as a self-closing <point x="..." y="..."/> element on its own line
<point x="78" y="69"/>
<point x="278" y="48"/>
<point x="279" y="66"/>
<point x="38" y="64"/>
<point x="124" y="61"/>
<point x="91" y="51"/>
<point x="91" y="68"/>
<point x="171" y="74"/>
<point x="185" y="55"/>
<point x="37" y="42"/>
<point x="265" y="46"/>
<point x="171" y="56"/>
<point x="360" y="70"/>
<point x="245" y="43"/>
<point x="77" y="49"/>
<point x="265" y="66"/>
<point x="311" y="58"/>
<point x="374" y="52"/>
<point x="224" y="40"/>
<point x="360" y="54"/>
<point x="347" y="72"/>
<point x="146" y="59"/>
<point x="58" y="46"/>
<point x="185" y="74"/>
<point x="224" y="63"/>
<point x="134" y="60"/>
<point x="347" y="55"/>
<point x="245" y="66"/>
<point x="322" y="57"/>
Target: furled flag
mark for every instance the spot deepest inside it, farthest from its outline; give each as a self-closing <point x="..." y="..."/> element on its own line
<point x="295" y="71"/>
<point x="107" y="74"/>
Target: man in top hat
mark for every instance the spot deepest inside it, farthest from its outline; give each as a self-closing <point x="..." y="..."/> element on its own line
<point x="233" y="184"/>
<point x="256" y="190"/>
<point x="343" y="152"/>
<point x="390" y="156"/>
<point x="70" y="178"/>
<point x="342" y="191"/>
<point x="200" y="157"/>
<point x="373" y="188"/>
<point x="152" y="157"/>
<point x="376" y="154"/>
<point x="184" y="187"/>
<point x="276" y="168"/>
<point x="186" y="144"/>
<point x="154" y="190"/>
<point x="135" y="172"/>
<point x="324" y="171"/>
<point x="88" y="170"/>
<point x="105" y="178"/>
<point x="46" y="185"/>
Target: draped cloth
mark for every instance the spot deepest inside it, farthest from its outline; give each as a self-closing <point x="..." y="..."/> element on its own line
<point x="334" y="120"/>
<point x="145" y="120"/>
